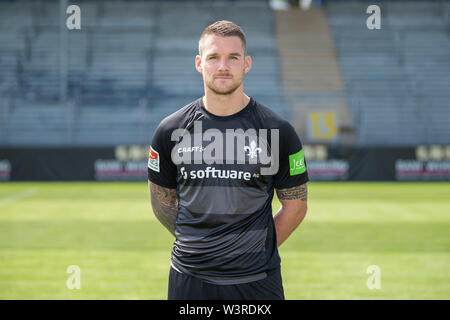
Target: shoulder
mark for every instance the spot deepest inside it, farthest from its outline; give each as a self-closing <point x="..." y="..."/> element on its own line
<point x="271" y="119"/>
<point x="179" y="118"/>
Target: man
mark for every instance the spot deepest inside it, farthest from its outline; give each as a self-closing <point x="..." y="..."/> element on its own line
<point x="213" y="167"/>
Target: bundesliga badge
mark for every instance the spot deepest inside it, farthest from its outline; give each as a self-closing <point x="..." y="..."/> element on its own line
<point x="153" y="160"/>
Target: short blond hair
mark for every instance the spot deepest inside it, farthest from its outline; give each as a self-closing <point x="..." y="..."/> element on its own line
<point x="223" y="28"/>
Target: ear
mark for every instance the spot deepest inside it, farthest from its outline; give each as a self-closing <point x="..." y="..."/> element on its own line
<point x="247" y="63"/>
<point x="198" y="63"/>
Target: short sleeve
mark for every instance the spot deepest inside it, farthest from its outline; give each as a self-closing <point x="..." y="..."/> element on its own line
<point x="161" y="169"/>
<point x="292" y="165"/>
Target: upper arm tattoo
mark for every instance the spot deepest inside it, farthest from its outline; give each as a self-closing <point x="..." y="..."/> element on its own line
<point x="298" y="192"/>
<point x="165" y="205"/>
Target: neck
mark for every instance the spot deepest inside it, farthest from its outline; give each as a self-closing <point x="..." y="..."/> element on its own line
<point x="225" y="105"/>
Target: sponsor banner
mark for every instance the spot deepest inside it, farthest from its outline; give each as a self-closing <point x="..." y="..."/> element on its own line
<point x="413" y="170"/>
<point x="328" y="170"/>
<point x="5" y="170"/>
<point x="113" y="170"/>
<point x="130" y="163"/>
<point x="127" y="163"/>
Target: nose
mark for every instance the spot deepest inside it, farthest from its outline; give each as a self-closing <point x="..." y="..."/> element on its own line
<point x="223" y="65"/>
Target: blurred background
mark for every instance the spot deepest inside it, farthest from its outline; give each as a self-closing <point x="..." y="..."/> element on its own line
<point x="98" y="90"/>
<point x="82" y="89"/>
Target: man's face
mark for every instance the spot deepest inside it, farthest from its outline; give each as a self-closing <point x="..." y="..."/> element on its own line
<point x="222" y="63"/>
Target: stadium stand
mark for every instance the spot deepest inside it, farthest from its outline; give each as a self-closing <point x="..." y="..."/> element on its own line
<point x="397" y="78"/>
<point x="132" y="63"/>
<point x="310" y="72"/>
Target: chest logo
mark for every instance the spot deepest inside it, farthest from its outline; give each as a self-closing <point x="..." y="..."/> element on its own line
<point x="252" y="150"/>
<point x="227" y="146"/>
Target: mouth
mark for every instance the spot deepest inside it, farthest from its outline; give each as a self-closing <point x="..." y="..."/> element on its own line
<point x="223" y="77"/>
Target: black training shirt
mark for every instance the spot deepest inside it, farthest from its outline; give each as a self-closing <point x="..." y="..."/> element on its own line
<point x="225" y="169"/>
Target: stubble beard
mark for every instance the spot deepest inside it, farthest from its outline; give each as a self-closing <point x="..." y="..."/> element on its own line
<point x="223" y="92"/>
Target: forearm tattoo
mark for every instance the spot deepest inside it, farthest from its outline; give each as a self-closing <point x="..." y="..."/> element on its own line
<point x="165" y="205"/>
<point x="298" y="192"/>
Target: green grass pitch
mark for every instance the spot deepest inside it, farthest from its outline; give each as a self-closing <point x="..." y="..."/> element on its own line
<point x="109" y="231"/>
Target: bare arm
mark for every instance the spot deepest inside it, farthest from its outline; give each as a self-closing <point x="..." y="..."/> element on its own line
<point x="293" y="210"/>
<point x="164" y="204"/>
